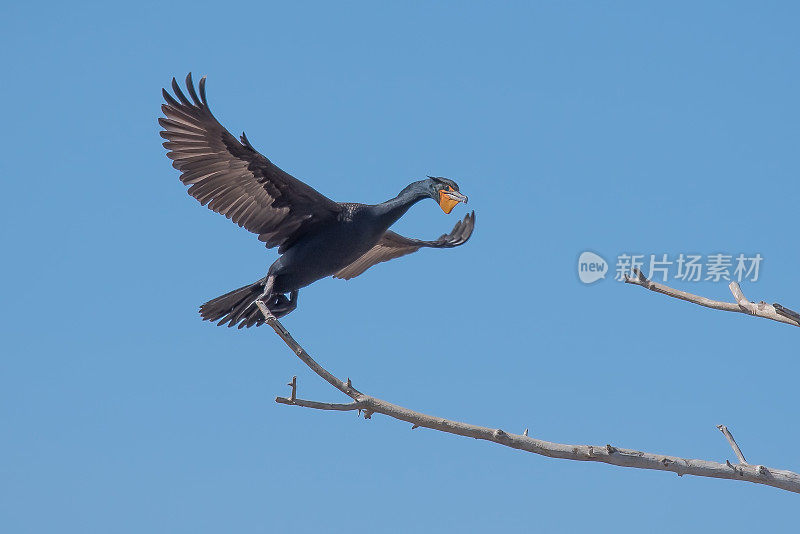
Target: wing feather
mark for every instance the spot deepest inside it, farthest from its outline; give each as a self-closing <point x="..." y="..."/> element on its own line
<point x="234" y="179"/>
<point x="393" y="245"/>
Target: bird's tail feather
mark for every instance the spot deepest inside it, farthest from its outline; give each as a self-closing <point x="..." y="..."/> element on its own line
<point x="236" y="307"/>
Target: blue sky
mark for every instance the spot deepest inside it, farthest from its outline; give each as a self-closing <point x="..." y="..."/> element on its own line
<point x="614" y="127"/>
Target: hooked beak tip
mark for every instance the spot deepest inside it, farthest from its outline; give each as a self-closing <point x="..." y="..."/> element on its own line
<point x="458" y="197"/>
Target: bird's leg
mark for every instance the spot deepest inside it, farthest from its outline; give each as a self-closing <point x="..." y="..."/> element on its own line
<point x="277" y="303"/>
<point x="264" y="297"/>
<point x="282" y="306"/>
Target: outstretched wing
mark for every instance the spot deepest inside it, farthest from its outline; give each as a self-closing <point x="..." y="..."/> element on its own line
<point x="394" y="245"/>
<point x="232" y="178"/>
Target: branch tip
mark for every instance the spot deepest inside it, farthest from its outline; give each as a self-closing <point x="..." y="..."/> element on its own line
<point x="638" y="279"/>
<point x="732" y="442"/>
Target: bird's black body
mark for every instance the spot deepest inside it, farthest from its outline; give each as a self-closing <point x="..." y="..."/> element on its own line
<point x="323" y="253"/>
<point x="316" y="236"/>
<point x="357" y="229"/>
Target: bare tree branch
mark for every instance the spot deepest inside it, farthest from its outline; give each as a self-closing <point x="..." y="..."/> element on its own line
<point x="608" y="454"/>
<point x="775" y="312"/>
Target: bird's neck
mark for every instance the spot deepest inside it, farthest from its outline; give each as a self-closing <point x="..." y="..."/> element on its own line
<point x="391" y="210"/>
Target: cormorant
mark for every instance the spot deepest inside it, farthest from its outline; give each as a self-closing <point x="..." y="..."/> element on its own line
<point x="316" y="237"/>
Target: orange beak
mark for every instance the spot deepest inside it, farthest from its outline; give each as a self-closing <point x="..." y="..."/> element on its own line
<point x="449" y="198"/>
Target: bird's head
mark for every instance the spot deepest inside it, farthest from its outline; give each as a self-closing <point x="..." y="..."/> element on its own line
<point x="444" y="192"/>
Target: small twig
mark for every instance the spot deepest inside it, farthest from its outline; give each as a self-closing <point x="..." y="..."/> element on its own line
<point x="742" y="305"/>
<point x="786" y="480"/>
<point x="294" y="401"/>
<point x="734" y="445"/>
<point x="320" y="405"/>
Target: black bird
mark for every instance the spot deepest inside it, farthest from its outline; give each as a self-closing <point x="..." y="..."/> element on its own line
<point x="315" y="236"/>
